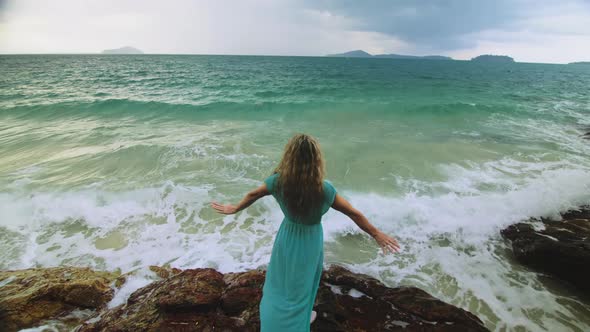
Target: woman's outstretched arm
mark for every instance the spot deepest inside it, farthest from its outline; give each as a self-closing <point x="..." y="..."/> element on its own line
<point x="248" y="200"/>
<point x="386" y="242"/>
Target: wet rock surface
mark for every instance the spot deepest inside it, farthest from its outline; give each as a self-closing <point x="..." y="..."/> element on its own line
<point x="27" y="297"/>
<point x="558" y="248"/>
<point x="206" y="300"/>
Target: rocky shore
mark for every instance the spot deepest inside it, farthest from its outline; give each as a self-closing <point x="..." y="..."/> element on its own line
<point x="559" y="248"/>
<point x="207" y="300"/>
<point x="29" y="297"/>
<point x="72" y="298"/>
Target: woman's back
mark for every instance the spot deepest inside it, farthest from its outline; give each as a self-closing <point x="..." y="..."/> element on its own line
<point x="329" y="193"/>
<point x="295" y="268"/>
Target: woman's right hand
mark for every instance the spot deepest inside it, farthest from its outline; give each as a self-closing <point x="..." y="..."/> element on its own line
<point x="387" y="243"/>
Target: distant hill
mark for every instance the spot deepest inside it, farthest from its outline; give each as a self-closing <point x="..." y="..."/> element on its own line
<point x="352" y="54"/>
<point x="580" y="63"/>
<point x="425" y="57"/>
<point x="123" y="50"/>
<point x="363" y="54"/>
<point x="493" y="58"/>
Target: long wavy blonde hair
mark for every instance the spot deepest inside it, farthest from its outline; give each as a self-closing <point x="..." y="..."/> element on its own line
<point x="301" y="174"/>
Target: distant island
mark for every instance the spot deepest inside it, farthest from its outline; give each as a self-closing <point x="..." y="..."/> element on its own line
<point x="425" y="57"/>
<point x="493" y="58"/>
<point x="123" y="50"/>
<point x="363" y="54"/>
<point x="352" y="54"/>
<point x="580" y="63"/>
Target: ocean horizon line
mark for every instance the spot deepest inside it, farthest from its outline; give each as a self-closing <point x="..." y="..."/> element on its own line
<point x="274" y="55"/>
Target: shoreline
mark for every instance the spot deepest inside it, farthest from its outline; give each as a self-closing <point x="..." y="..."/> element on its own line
<point x="75" y="298"/>
<point x="559" y="249"/>
<point x="206" y="300"/>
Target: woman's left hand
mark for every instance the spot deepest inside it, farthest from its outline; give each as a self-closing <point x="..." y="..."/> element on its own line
<point x="225" y="209"/>
<point x="387" y="243"/>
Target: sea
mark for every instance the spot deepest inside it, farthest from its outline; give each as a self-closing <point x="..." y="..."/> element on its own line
<point x="111" y="162"/>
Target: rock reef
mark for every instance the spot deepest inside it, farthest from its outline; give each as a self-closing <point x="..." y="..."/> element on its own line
<point x="27" y="297"/>
<point x="558" y="248"/>
<point x="207" y="300"/>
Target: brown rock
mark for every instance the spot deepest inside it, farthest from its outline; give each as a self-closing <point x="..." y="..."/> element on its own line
<point x="192" y="289"/>
<point x="27" y="297"/>
<point x="164" y="272"/>
<point x="381" y="308"/>
<point x="562" y="249"/>
<point x="120" y="281"/>
<point x="187" y="301"/>
<point x="206" y="300"/>
<point x="243" y="292"/>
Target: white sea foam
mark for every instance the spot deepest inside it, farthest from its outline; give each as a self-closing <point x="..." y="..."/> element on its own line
<point x="133" y="282"/>
<point x="449" y="232"/>
<point x="451" y="245"/>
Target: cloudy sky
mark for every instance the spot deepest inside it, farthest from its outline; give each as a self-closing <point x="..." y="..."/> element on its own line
<point x="532" y="31"/>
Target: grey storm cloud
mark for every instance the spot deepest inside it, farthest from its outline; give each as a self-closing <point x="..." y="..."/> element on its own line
<point x="442" y="25"/>
<point x="528" y="30"/>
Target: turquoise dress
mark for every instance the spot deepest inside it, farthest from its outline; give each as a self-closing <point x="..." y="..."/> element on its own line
<point x="293" y="274"/>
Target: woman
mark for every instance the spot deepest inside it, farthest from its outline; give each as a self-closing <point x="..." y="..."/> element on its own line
<point x="296" y="262"/>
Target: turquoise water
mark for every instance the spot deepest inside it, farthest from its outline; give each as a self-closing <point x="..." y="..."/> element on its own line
<point x="111" y="161"/>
